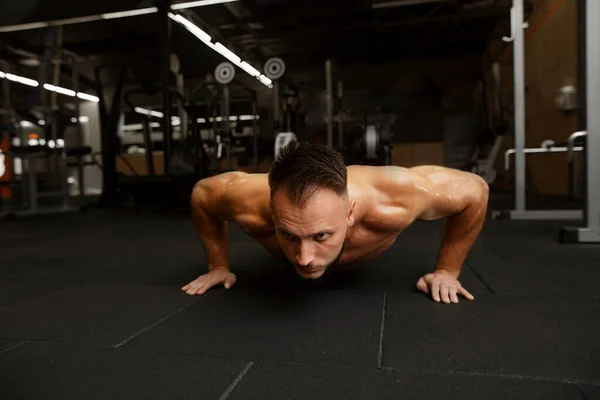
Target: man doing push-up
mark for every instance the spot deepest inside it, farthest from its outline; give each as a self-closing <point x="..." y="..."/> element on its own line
<point x="324" y="216"/>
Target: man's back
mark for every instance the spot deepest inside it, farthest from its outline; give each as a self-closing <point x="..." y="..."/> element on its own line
<point x="243" y="199"/>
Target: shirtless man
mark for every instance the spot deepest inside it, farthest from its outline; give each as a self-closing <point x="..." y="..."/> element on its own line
<point x="322" y="215"/>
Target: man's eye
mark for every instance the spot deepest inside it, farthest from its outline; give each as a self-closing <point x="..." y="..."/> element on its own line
<point x="287" y="235"/>
<point x="321" y="236"/>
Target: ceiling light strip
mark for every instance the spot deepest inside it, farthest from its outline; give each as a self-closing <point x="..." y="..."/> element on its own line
<point x="221" y="49"/>
<point x="52" y="88"/>
<point x="113" y="15"/>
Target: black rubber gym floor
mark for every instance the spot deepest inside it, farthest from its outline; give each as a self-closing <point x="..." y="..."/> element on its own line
<point x="91" y="307"/>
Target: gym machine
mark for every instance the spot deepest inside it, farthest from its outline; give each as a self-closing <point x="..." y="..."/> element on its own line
<point x="182" y="166"/>
<point x="35" y="158"/>
<point x="491" y="132"/>
<point x="520" y="212"/>
<point x="217" y="134"/>
<point x="274" y="69"/>
<point x="366" y="139"/>
<point x="548" y="147"/>
<point x="590" y="231"/>
<point x="224" y="74"/>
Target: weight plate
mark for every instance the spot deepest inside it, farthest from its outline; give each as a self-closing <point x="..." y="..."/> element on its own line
<point x="224" y="73"/>
<point x="274" y="68"/>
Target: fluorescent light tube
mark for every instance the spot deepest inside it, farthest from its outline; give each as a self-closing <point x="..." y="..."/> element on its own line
<point x="190" y="26"/>
<point x="88" y="97"/>
<point x="58" y="89"/>
<point x="228" y="54"/>
<point x="249" y="69"/>
<point x="265" y="80"/>
<point x="141" y="110"/>
<point x="130" y="13"/>
<point x="20" y="79"/>
<point x="199" y="3"/>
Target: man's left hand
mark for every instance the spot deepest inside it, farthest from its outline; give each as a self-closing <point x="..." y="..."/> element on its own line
<point x="443" y="286"/>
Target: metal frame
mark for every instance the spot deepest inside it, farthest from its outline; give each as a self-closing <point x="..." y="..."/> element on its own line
<point x="329" y="99"/>
<point x="165" y="69"/>
<point x="519" y="89"/>
<point x="590" y="232"/>
<point x="520" y="212"/>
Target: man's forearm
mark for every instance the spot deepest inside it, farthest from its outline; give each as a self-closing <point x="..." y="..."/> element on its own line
<point x="459" y="234"/>
<point x="213" y="235"/>
<point x="210" y="226"/>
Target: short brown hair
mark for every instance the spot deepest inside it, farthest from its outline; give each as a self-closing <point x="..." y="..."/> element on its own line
<point x="303" y="168"/>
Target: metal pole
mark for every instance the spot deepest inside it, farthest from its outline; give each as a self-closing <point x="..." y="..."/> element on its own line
<point x="183" y="116"/>
<point x="276" y="107"/>
<point x="592" y="213"/>
<point x="329" y="99"/>
<point x="75" y="72"/>
<point x="519" y="89"/>
<point x="254" y="135"/>
<point x="64" y="175"/>
<point x="591" y="232"/>
<point x="165" y="60"/>
<point x="340" y="95"/>
<point x="147" y="133"/>
<point x="6" y="93"/>
<point x="226" y="128"/>
<point x="31" y="179"/>
<point x="579" y="183"/>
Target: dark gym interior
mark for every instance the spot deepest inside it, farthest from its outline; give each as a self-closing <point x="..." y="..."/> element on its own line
<point x="111" y="112"/>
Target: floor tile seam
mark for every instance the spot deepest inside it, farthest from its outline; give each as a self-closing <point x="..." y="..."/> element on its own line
<point x="540" y="378"/>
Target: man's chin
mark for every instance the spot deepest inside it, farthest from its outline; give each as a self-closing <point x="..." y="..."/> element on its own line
<point x="311" y="273"/>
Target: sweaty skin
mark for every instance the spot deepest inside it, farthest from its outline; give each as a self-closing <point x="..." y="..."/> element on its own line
<point x="333" y="232"/>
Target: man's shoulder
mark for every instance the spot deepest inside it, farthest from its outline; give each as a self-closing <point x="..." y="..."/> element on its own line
<point x="390" y="194"/>
<point x="233" y="194"/>
<point x="389" y="180"/>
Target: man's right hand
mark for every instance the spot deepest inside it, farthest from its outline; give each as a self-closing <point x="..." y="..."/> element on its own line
<point x="217" y="276"/>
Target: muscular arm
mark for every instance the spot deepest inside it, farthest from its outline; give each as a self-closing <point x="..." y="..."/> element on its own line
<point x="216" y="201"/>
<point x="461" y="198"/>
<point x="210" y="219"/>
<point x="212" y="207"/>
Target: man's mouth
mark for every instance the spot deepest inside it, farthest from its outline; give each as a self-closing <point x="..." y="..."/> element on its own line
<point x="308" y="269"/>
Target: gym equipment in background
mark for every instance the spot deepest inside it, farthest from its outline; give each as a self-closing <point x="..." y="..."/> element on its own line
<point x="169" y="183"/>
<point x="590" y="231"/>
<point x="520" y="211"/>
<point x="36" y="156"/>
<point x="274" y="69"/>
<point x="224" y="74"/>
<point x="547" y="147"/>
<point x="492" y="131"/>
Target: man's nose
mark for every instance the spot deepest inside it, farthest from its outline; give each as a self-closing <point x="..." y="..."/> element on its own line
<point x="305" y="254"/>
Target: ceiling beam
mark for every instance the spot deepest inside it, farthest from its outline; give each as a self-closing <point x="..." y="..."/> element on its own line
<point x="450" y="19"/>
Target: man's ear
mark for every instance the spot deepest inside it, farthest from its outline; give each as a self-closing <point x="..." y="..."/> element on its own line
<point x="351" y="212"/>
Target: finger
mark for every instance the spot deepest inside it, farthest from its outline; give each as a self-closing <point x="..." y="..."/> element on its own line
<point x="453" y="296"/>
<point x="186" y="287"/>
<point x="466" y="293"/>
<point x="229" y="282"/>
<point x="435" y="291"/>
<point x="422" y="286"/>
<point x="192" y="290"/>
<point x="202" y="289"/>
<point x="195" y="289"/>
<point x="445" y="294"/>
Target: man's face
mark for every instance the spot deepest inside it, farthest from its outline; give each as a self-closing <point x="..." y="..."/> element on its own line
<point x="311" y="236"/>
